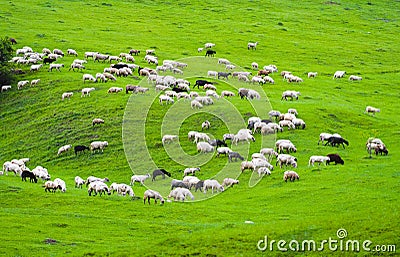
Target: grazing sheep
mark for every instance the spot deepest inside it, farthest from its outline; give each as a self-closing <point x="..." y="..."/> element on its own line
<point x="243" y="135"/>
<point x="254" y="65"/>
<point x="98" y="145"/>
<point x="200" y="49"/>
<point x="325" y="136"/>
<point x="99" y="188"/>
<point x="354" y="77"/>
<point x="258" y="162"/>
<point x="51" y="186"/>
<point x="180" y="194"/>
<point x="287" y="123"/>
<point x="148" y="194"/>
<point x="139" y="178"/>
<point x="286" y="159"/>
<point x="339" y="74"/>
<point x="88" y="77"/>
<point x="160" y="172"/>
<point x="209" y="45"/>
<point x="234" y="156"/>
<point x="205" y="125"/>
<point x="268" y="153"/>
<point x="56" y="66"/>
<point x="334" y="158"/>
<point x="28" y="174"/>
<point x="211" y="73"/>
<point x="227" y="93"/>
<point x="97" y="121"/>
<point x="373" y="110"/>
<point x="100" y="77"/>
<point x="61" y="183"/>
<point x="35" y="82"/>
<point x="22" y="83"/>
<point x="210" y="87"/>
<point x="192" y="171"/>
<point x="299" y="123"/>
<point x="247" y="165"/>
<point x="252" y="94"/>
<point x="80" y="148"/>
<point x="213" y="185"/>
<point x="72" y="52"/>
<point x="263" y="171"/>
<point x="319" y="159"/>
<point x="91" y="179"/>
<point x="204" y="147"/>
<point x="192" y="134"/>
<point x="5" y="88"/>
<point x="290" y="175"/>
<point x="228" y="136"/>
<point x="223" y="150"/>
<point x="79" y="182"/>
<point x="114" y="89"/>
<point x="257" y="79"/>
<point x="58" y="52"/>
<point x="312" y="74"/>
<point x="166" y="99"/>
<point x="229" y="182"/>
<point x="169" y="138"/>
<point x="194" y="104"/>
<point x="63" y="149"/>
<point x="201" y="137"/>
<point x="336" y="141"/>
<point x="252" y="46"/>
<point x="76" y="66"/>
<point x="178" y="183"/>
<point x="36" y="67"/>
<point x="41" y="173"/>
<point x="290" y="94"/>
<point x="86" y="91"/>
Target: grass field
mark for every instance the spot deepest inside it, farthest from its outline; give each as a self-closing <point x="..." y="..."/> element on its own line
<point x="324" y="36"/>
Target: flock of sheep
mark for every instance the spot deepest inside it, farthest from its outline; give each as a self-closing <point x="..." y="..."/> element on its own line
<point x="172" y="89"/>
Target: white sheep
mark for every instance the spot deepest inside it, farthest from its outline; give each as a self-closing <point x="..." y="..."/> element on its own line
<point x="319" y="159"/>
<point x="274" y="113"/>
<point x="223" y="150"/>
<point x="98" y="145"/>
<point x="243" y="135"/>
<point x="212" y="93"/>
<point x="200" y="49"/>
<point x="169" y="138"/>
<point x="229" y="182"/>
<point x="192" y="171"/>
<point x="223" y="61"/>
<point x="213" y="185"/>
<point x="22" y="83"/>
<point x="287" y="116"/>
<point x="148" y="194"/>
<point x="72" y="52"/>
<point x="86" y="91"/>
<point x="254" y="65"/>
<point x="257" y="79"/>
<point x="41" y="173"/>
<point x="183" y="95"/>
<point x="190" y="181"/>
<point x="79" y="182"/>
<point x="63" y="149"/>
<point x="210" y="87"/>
<point x="290" y="175"/>
<point x="66" y="95"/>
<point x="36" y="67"/>
<point x="287" y="123"/>
<point x="162" y="88"/>
<point x="286" y="159"/>
<point x="290" y="94"/>
<point x="373" y="110"/>
<point x="269" y="80"/>
<point x="252" y="45"/>
<point x="99" y="188"/>
<point x="58" y="51"/>
<point x="257" y="163"/>
<point x="312" y="74"/>
<point x="56" y="66"/>
<point x="354" y="77"/>
<point x="212" y="73"/>
<point x="51" y="186"/>
<point x="268" y="152"/>
<point x="274" y="127"/>
<point x="227" y="93"/>
<point x="61" y="183"/>
<point x="96" y="121"/>
<point x="209" y="45"/>
<point x="166" y="99"/>
<point x="299" y="123"/>
<point x="325" y="136"/>
<point x="252" y="94"/>
<point x="192" y="134"/>
<point x="339" y="74"/>
<point x="34" y="82"/>
<point x="205" y="125"/>
<point x="92" y="179"/>
<point x="262" y="171"/>
<point x="100" y="77"/>
<point x="114" y="89"/>
<point x="204" y="147"/>
<point x="247" y="165"/>
<point x="88" y="77"/>
<point x="180" y="194"/>
<point x="5" y="88"/>
<point x="9" y="166"/>
<point x="76" y="66"/>
<point x="139" y="178"/>
<point x="201" y="137"/>
<point x="242" y="77"/>
<point x="205" y="100"/>
<point x="194" y="104"/>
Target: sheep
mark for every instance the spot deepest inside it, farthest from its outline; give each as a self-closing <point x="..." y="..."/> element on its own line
<point x="334" y="158"/>
<point x="201" y="137"/>
<point x="169" y="138"/>
<point x="319" y="159"/>
<point x="211" y="73"/>
<point x="123" y="189"/>
<point x="336" y="141"/>
<point x="9" y="166"/>
<point x="76" y="66"/>
<point x="286" y="159"/>
<point x="98" y="57"/>
<point x="212" y="93"/>
<point x="162" y="88"/>
<point x="274" y="113"/>
<point x="177" y="71"/>
<point x="36" y="67"/>
<point x="166" y="99"/>
<point x="139" y="178"/>
<point x="293" y="111"/>
<point x="287" y="123"/>
<point x="290" y="175"/>
<point x="150" y="51"/>
<point x="63" y="149"/>
<point x="205" y="125"/>
<point x="269" y="80"/>
<point x="66" y="95"/>
<point x="312" y="74"/>
<point x="178" y="183"/>
<point x="194" y="104"/>
<point x="27" y="173"/>
<point x="160" y="172"/>
<point x="254" y="65"/>
<point x="192" y="171"/>
<point x="5" y="88"/>
<point x="88" y="77"/>
<point x="210" y="87"/>
<point x="339" y="74"/>
<point x="257" y="79"/>
<point x="268" y="152"/>
<point x="109" y="76"/>
<point x="129" y="58"/>
<point x="299" y="123"/>
<point x="242" y="92"/>
<point x="99" y="188"/>
<point x="61" y="183"/>
<point x="22" y="83"/>
<point x="227" y="93"/>
<point x="373" y="110"/>
<point x="223" y="150"/>
<point x="56" y="66"/>
<point x="354" y="77"/>
<point x="114" y="89"/>
<point x="252" y="46"/>
<point x="34" y="82"/>
<point x="247" y="165"/>
<point x="280" y="141"/>
<point x="262" y="171"/>
<point x="290" y="93"/>
<point x="228" y="136"/>
<point x="275" y="127"/>
<point x="97" y="121"/>
<point x="200" y="49"/>
<point x="180" y="194"/>
<point x="58" y="52"/>
<point x="51" y="186"/>
<point x="257" y="163"/>
<point x="192" y="134"/>
<point x="79" y="182"/>
<point x="114" y="58"/>
<point x="41" y="173"/>
<point x="100" y="77"/>
<point x="252" y="94"/>
<point x="209" y="45"/>
<point x="243" y="78"/>
<point x="258" y="156"/>
<point x="325" y="136"/>
<point x="213" y="185"/>
<point x="91" y="179"/>
<point x="152" y="194"/>
<point x="229" y="182"/>
<point x="86" y="91"/>
<point x="243" y="135"/>
<point x="204" y="147"/>
<point x="134" y="51"/>
<point x="271" y="68"/>
<point x="72" y="52"/>
<point x="98" y="145"/>
<point x="287" y="116"/>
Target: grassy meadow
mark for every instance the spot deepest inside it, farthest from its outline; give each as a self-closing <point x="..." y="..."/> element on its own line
<point x="323" y="36"/>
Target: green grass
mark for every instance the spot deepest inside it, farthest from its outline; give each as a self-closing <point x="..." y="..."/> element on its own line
<point x="361" y="196"/>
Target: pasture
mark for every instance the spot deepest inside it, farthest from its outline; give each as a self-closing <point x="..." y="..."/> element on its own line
<point x="322" y="36"/>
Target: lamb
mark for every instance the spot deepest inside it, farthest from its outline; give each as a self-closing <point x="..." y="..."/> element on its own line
<point x="169" y="138"/>
<point x="204" y="147"/>
<point x="166" y="99"/>
<point x="205" y="125"/>
<point x="286" y="159"/>
<point x="97" y="121"/>
<point x="72" y="52"/>
<point x="254" y="65"/>
<point x="252" y="46"/>
<point x="36" y="67"/>
<point x="115" y="89"/>
<point x="86" y="91"/>
<point x="56" y="66"/>
<point x="192" y="171"/>
<point x="5" y="88"/>
<point x="319" y="159"/>
<point x="312" y="74"/>
<point x="274" y="113"/>
<point x="339" y="74"/>
<point x="61" y="183"/>
<point x="148" y="194"/>
<point x="223" y="150"/>
<point x="210" y="87"/>
<point x="160" y="172"/>
<point x="258" y="79"/>
<point x="123" y="189"/>
<point x="229" y="182"/>
<point x="290" y="93"/>
<point x="274" y="126"/>
<point x="109" y="76"/>
<point x="64" y="149"/>
<point x="150" y="51"/>
<point x="227" y="93"/>
<point x="34" y="82"/>
<point x="373" y="110"/>
<point x="66" y="95"/>
<point x="334" y="158"/>
<point x="192" y="134"/>
<point x="194" y="104"/>
<point x="354" y="77"/>
<point x="180" y="194"/>
<point x="243" y="78"/>
<point x="91" y="179"/>
<point x="234" y="156"/>
<point x="50" y="186"/>
<point x="139" y="178"/>
<point x="213" y="185"/>
<point x="79" y="182"/>
<point x="293" y="111"/>
<point x="269" y="80"/>
<point x="290" y="175"/>
<point x="98" y="145"/>
<point x="22" y="83"/>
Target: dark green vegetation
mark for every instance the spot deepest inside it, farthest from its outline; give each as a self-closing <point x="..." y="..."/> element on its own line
<point x="361" y="196"/>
